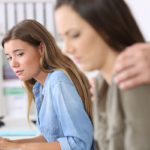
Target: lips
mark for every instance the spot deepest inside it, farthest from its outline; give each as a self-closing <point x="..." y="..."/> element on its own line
<point x="18" y="72"/>
<point x="77" y="59"/>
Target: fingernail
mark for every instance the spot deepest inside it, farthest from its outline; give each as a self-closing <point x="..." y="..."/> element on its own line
<point x="122" y="86"/>
<point x="113" y="71"/>
<point x="116" y="80"/>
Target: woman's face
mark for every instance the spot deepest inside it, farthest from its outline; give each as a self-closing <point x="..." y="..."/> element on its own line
<point x="23" y="58"/>
<point x="81" y="41"/>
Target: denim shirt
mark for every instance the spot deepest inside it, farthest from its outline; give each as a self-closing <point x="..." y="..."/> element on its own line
<point x="60" y="113"/>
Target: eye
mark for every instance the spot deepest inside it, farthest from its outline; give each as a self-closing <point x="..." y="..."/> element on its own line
<point x="20" y="54"/>
<point x="75" y="35"/>
<point x="9" y="58"/>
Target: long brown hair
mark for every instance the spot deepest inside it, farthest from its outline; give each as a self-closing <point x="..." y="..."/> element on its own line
<point x="111" y="19"/>
<point x="34" y="33"/>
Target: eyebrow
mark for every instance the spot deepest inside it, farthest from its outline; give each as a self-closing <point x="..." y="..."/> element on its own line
<point x="14" y="51"/>
<point x="70" y="30"/>
<point x="67" y="32"/>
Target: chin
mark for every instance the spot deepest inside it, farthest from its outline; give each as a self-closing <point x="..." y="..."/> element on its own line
<point x="86" y="68"/>
<point x="23" y="79"/>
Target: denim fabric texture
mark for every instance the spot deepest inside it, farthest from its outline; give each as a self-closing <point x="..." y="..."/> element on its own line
<point x="60" y="113"/>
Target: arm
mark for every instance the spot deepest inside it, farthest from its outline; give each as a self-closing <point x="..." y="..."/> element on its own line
<point x="39" y="138"/>
<point x="4" y="144"/>
<point x="133" y="66"/>
<point x="41" y="146"/>
<point x="136" y="109"/>
<point x="75" y="123"/>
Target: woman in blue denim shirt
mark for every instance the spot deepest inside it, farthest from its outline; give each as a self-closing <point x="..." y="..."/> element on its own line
<point x="59" y="89"/>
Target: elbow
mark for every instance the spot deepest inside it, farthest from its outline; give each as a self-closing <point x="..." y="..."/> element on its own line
<point x="77" y="144"/>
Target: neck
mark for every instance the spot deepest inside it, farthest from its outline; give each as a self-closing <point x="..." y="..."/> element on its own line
<point x="41" y="77"/>
<point x="108" y="67"/>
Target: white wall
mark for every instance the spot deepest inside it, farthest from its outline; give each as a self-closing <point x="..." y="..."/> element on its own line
<point x="27" y="0"/>
<point x="141" y="11"/>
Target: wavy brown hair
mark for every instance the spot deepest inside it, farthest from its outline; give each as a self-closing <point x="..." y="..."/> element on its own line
<point x="34" y="33"/>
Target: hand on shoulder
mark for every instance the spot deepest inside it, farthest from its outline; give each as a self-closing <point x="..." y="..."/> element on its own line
<point x="132" y="66"/>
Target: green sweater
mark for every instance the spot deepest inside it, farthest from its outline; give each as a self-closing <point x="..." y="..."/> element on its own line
<point x="121" y="117"/>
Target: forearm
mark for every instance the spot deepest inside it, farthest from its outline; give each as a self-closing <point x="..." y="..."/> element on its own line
<point x="5" y="144"/>
<point x="39" y="138"/>
<point x="39" y="146"/>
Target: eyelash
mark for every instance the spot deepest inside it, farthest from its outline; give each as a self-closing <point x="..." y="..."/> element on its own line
<point x="9" y="58"/>
<point x="75" y="35"/>
<point x="19" y="55"/>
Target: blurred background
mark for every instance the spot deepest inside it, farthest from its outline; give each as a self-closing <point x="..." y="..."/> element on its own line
<point x="12" y="97"/>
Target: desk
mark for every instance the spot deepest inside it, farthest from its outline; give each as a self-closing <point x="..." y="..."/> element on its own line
<point x="16" y="128"/>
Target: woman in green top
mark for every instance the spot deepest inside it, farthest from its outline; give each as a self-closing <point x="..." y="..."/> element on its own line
<point x="95" y="32"/>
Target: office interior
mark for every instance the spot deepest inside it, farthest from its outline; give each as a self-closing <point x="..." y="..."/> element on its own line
<point x="13" y="99"/>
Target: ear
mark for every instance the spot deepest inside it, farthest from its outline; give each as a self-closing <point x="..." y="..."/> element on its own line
<point x="41" y="49"/>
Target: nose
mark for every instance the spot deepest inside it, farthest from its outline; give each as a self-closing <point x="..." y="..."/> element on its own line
<point x="14" y="63"/>
<point x="67" y="48"/>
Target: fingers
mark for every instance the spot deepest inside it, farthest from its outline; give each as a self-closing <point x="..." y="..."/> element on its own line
<point x="122" y="65"/>
<point x="132" y="82"/>
<point x="126" y="74"/>
<point x="92" y="83"/>
<point x="4" y="139"/>
<point x="132" y="67"/>
<point x="1" y="139"/>
<point x="123" y="61"/>
<point x="5" y="144"/>
<point x="133" y="76"/>
<point x="92" y="92"/>
<point x="132" y="55"/>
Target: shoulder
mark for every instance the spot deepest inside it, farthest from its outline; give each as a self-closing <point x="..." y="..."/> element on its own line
<point x="135" y="92"/>
<point x="99" y="87"/>
<point x="99" y="82"/>
<point x="133" y="96"/>
<point x="58" y="76"/>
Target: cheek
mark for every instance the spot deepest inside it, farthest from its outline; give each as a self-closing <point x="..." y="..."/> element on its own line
<point x="35" y="59"/>
<point x="83" y="46"/>
<point x="27" y="62"/>
<point x="31" y="62"/>
<point x="87" y="42"/>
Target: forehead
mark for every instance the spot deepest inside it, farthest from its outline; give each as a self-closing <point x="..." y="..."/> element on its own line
<point x="14" y="44"/>
<point x="67" y="18"/>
